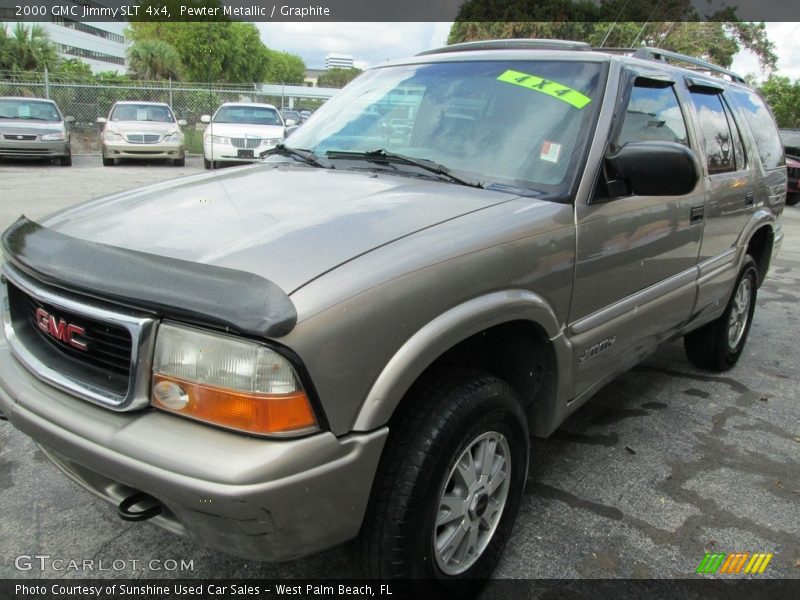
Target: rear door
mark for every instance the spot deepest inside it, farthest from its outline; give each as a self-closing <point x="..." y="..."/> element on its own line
<point x="730" y="198"/>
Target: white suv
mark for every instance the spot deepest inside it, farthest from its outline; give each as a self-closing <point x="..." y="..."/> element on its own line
<point x="241" y="131"/>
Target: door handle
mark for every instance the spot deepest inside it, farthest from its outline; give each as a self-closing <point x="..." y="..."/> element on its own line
<point x="749" y="199"/>
<point x="697" y="214"/>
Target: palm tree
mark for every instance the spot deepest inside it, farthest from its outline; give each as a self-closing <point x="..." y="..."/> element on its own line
<point x="30" y="49"/>
<point x="153" y="60"/>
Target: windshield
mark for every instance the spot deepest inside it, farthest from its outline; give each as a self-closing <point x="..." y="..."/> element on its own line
<point x="253" y="115"/>
<point x="142" y="112"/>
<point x="507" y="123"/>
<point x="27" y="109"/>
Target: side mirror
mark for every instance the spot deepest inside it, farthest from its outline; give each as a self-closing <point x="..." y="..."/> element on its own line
<point x="289" y="130"/>
<point x="182" y="122"/>
<point x="652" y="169"/>
<point x="205" y="119"/>
<point x="291" y="122"/>
<point x="101" y="120"/>
<point x="69" y="119"/>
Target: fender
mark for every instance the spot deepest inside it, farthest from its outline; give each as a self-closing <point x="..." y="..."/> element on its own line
<point x="444" y="332"/>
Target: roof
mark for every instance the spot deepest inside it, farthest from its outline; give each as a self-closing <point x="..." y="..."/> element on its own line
<point x="261" y="104"/>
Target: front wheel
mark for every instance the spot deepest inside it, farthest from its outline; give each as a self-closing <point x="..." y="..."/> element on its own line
<point x="792" y="199"/>
<point x="718" y="345"/>
<point x="179" y="162"/>
<point x="449" y="485"/>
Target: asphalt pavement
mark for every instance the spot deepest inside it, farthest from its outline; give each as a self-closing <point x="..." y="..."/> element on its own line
<point x="665" y="464"/>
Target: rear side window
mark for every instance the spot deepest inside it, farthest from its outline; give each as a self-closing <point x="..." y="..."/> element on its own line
<point x="765" y="132"/>
<point x="653" y="115"/>
<point x="723" y="145"/>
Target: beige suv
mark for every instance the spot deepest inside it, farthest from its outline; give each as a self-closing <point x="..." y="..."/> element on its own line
<point x="144" y="131"/>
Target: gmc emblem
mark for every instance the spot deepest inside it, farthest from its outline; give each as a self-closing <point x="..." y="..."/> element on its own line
<point x="60" y="329"/>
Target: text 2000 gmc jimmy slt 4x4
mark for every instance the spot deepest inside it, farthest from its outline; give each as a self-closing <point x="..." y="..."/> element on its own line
<point x="356" y="338"/>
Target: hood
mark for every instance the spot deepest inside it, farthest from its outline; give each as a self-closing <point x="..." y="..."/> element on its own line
<point x="26" y="126"/>
<point x="142" y="126"/>
<point x="240" y="130"/>
<point x="286" y="222"/>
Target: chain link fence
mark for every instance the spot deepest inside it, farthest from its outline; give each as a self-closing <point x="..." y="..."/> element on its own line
<point x="88" y="100"/>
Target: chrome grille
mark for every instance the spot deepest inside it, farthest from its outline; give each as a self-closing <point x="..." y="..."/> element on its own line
<point x="113" y="370"/>
<point x="246" y="143"/>
<point x="13" y="136"/>
<point x="143" y="138"/>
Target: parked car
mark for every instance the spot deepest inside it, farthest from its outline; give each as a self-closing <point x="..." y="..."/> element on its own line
<point x="292" y="117"/>
<point x="790" y="138"/>
<point x="241" y="131"/>
<point x="357" y="338"/>
<point x="34" y="128"/>
<point x="142" y="131"/>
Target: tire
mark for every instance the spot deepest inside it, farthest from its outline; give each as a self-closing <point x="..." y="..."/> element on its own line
<point x="792" y="199"/>
<point x="718" y="345"/>
<point x="108" y="162"/>
<point x="207" y="163"/>
<point x="66" y="161"/>
<point x="179" y="162"/>
<point x="444" y="416"/>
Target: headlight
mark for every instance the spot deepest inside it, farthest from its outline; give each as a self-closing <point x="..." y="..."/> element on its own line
<point x="112" y="136"/>
<point x="217" y="139"/>
<point x="271" y="142"/>
<point x="59" y="136"/>
<point x="226" y="381"/>
<point x="174" y="136"/>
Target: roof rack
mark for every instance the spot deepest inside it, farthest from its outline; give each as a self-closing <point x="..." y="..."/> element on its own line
<point x="513" y="44"/>
<point x="648" y="53"/>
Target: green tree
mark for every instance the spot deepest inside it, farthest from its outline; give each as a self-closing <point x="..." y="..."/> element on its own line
<point x="221" y="51"/>
<point x="27" y="49"/>
<point x="73" y="69"/>
<point x="674" y="25"/>
<point x="338" y="78"/>
<point x="5" y="50"/>
<point x="153" y="60"/>
<point x="283" y="67"/>
<point x="783" y="97"/>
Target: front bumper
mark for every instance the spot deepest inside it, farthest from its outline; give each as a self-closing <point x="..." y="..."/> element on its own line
<point x="33" y="149"/>
<point x="259" y="499"/>
<point x="160" y="151"/>
<point x="228" y="153"/>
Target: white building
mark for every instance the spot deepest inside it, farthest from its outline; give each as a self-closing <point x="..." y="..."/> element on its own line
<point x="338" y="61"/>
<point x="100" y="45"/>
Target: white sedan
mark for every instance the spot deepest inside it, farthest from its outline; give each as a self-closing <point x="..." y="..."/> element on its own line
<point x="240" y="132"/>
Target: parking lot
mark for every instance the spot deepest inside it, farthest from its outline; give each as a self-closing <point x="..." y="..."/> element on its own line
<point x="663" y="465"/>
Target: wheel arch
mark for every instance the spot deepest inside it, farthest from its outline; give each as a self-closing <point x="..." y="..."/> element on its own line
<point x="502" y="333"/>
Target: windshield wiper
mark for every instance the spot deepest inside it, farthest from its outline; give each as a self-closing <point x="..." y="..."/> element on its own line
<point x="306" y="156"/>
<point x="384" y="156"/>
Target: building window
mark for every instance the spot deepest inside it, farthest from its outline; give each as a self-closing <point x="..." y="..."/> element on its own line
<point x="83" y="53"/>
<point x="114" y="37"/>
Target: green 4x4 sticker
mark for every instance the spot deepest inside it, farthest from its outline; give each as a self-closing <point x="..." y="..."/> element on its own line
<point x="551" y="88"/>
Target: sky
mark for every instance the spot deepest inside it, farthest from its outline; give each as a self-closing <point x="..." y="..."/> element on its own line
<point x="374" y="43"/>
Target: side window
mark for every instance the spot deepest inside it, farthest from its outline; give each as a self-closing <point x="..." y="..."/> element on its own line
<point x="762" y="126"/>
<point x="653" y="115"/>
<point x="723" y="145"/>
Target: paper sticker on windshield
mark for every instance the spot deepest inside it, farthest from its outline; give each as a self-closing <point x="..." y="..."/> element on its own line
<point x="550" y="152"/>
<point x="24" y="111"/>
<point x="551" y="88"/>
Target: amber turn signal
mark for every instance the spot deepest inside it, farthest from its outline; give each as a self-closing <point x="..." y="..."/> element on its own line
<point x="257" y="413"/>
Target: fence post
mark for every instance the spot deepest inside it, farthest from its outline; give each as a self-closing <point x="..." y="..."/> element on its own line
<point x="46" y="83"/>
<point x="170" y="93"/>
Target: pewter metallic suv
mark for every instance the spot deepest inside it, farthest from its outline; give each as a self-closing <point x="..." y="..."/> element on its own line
<point x="356" y="338"/>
